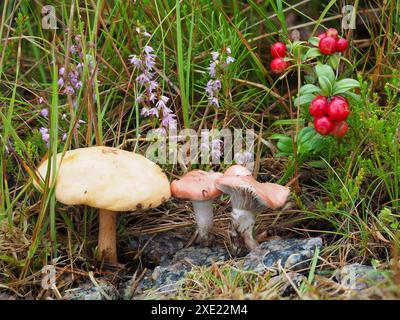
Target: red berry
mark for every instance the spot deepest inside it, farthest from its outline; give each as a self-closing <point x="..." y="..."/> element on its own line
<point x="278" y="50"/>
<point x="278" y="65"/>
<point x="323" y="125"/>
<point x="318" y="107"/>
<point x="338" y="109"/>
<point x="340" y="129"/>
<point x="321" y="35"/>
<point x="332" y="32"/>
<point x="327" y="45"/>
<point x="341" y="45"/>
<point x="339" y="97"/>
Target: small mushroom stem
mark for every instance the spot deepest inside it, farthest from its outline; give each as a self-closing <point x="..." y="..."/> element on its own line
<point x="203" y="211"/>
<point x="107" y="244"/>
<point x="243" y="222"/>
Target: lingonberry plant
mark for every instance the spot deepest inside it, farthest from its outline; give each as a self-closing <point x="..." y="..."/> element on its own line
<point x="324" y="93"/>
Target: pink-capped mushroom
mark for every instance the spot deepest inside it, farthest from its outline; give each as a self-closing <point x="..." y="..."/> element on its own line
<point x="248" y="198"/>
<point x="237" y="170"/>
<point x="199" y="187"/>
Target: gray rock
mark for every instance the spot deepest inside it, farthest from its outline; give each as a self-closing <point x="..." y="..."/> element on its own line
<point x="160" y="248"/>
<point x="89" y="291"/>
<point x="359" y="277"/>
<point x="293" y="254"/>
<point x="164" y="281"/>
<point x="283" y="283"/>
<point x="199" y="256"/>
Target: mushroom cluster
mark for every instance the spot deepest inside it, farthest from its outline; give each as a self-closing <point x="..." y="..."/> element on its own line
<point x="248" y="198"/>
<point x="111" y="180"/>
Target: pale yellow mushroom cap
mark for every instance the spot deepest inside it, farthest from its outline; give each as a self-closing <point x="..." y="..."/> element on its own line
<point x="108" y="178"/>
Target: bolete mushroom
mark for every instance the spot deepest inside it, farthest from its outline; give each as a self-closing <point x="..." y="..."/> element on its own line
<point x="199" y="187"/>
<point x="111" y="180"/>
<point x="248" y="198"/>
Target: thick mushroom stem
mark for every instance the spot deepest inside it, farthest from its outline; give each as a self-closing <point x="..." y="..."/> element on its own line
<point x="243" y="222"/>
<point x="203" y="211"/>
<point x="107" y="244"/>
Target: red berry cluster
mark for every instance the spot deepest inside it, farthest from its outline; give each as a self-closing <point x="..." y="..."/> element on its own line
<point x="278" y="51"/>
<point x="329" y="42"/>
<point x="330" y="117"/>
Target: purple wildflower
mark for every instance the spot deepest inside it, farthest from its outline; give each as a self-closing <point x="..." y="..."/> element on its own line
<point x="160" y="104"/>
<point x="212" y="89"/>
<point x="164" y="99"/>
<point x="217" y="85"/>
<point x="140" y="98"/>
<point x="212" y="69"/>
<point x="60" y="82"/>
<point x="148" y="49"/>
<point x="149" y="63"/>
<point x="152" y="98"/>
<point x="69" y="90"/>
<point x="142" y="79"/>
<point x="229" y="60"/>
<point x="168" y="120"/>
<point x="214" y="102"/>
<point x="44" y="113"/>
<point x="145" y="112"/>
<point x="154" y="112"/>
<point x="73" y="74"/>
<point x="45" y="135"/>
<point x="73" y="49"/>
<point x="152" y="85"/>
<point x="41" y="100"/>
<point x="78" y="124"/>
<point x="135" y="60"/>
<point x="79" y="85"/>
<point x="214" y="55"/>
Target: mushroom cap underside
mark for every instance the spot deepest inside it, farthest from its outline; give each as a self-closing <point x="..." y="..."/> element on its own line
<point x="248" y="194"/>
<point x="108" y="178"/>
<point x="196" y="185"/>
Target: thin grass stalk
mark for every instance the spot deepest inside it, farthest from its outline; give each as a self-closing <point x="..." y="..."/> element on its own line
<point x="53" y="152"/>
<point x="181" y="66"/>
